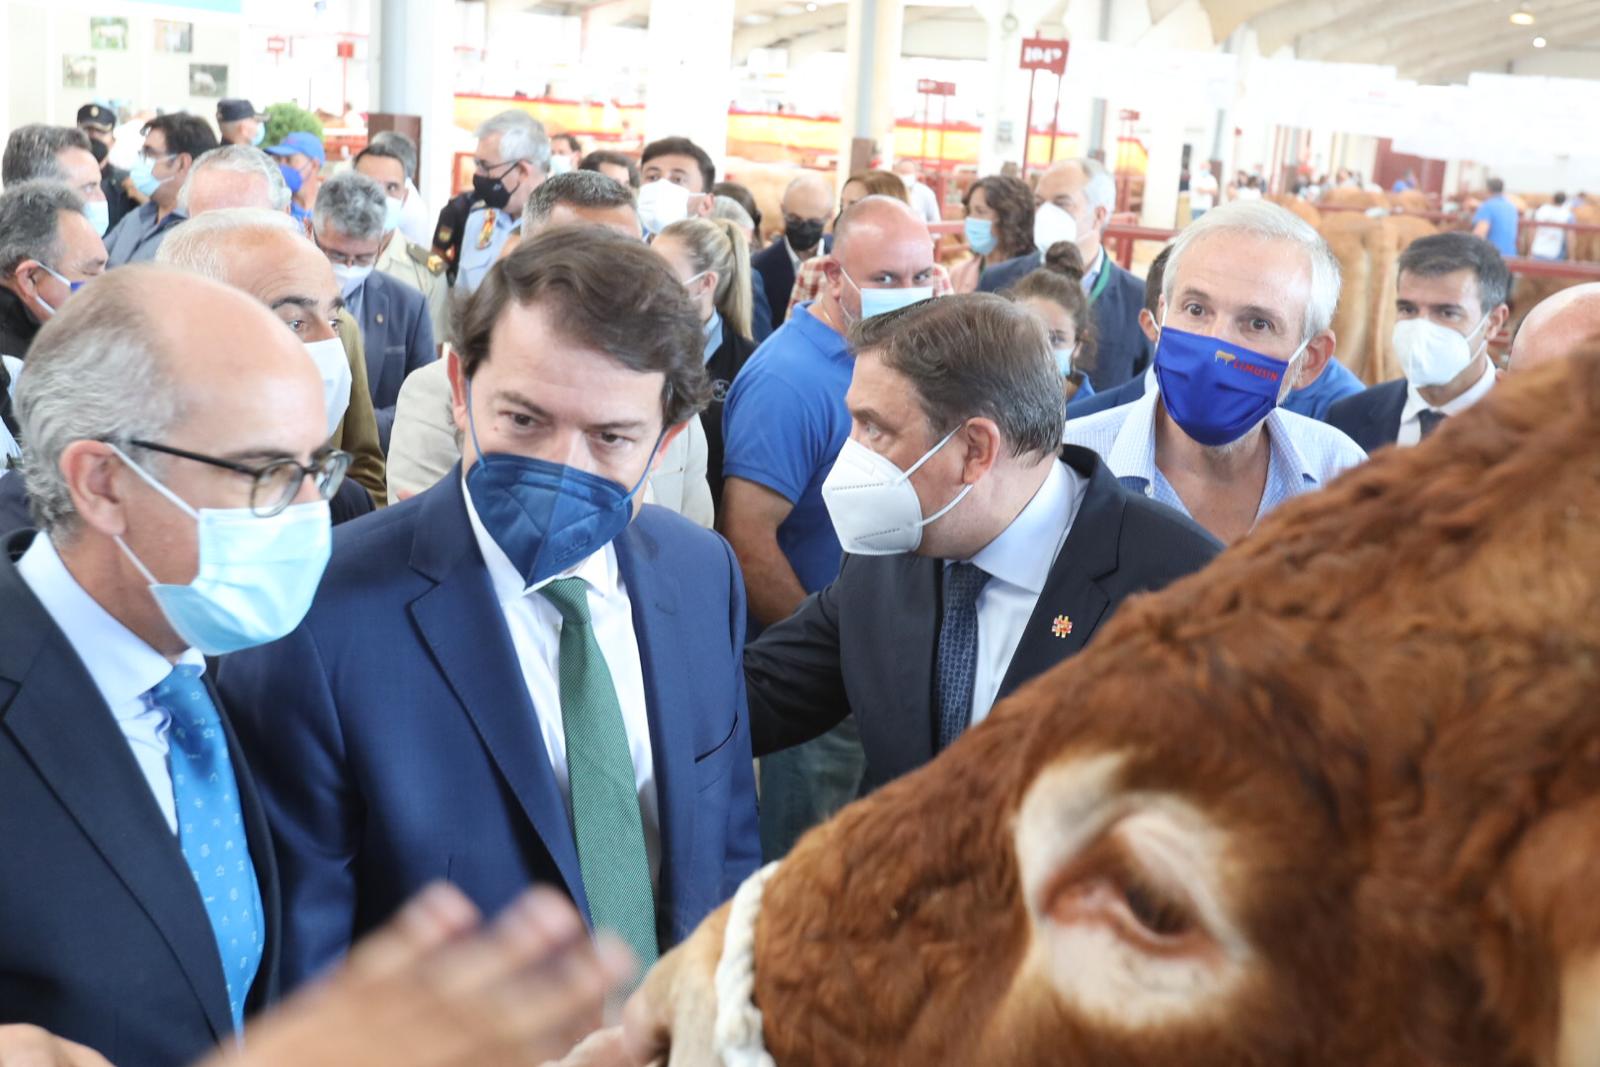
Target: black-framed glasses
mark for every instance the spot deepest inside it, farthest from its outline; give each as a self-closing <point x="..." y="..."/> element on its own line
<point x="275" y="484"/>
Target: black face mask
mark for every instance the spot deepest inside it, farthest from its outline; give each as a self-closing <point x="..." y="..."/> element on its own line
<point x="99" y="150"/>
<point x="492" y="191"/>
<point x="802" y="233"/>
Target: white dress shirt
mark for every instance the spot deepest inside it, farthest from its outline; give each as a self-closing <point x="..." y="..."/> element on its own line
<point x="1018" y="562"/>
<point x="1091" y="273"/>
<point x="122" y="667"/>
<point x="535" y="628"/>
<point x="1411" y="423"/>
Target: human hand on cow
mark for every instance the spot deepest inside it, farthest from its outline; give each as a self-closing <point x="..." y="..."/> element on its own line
<point x="432" y="989"/>
<point x="672" y="1018"/>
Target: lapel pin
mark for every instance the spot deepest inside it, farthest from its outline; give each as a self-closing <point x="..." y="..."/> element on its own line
<point x="1062" y="626"/>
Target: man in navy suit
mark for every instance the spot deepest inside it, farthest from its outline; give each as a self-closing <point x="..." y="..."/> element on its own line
<point x="139" y="914"/>
<point x="396" y="329"/>
<point x="807" y="207"/>
<point x="1084" y="189"/>
<point x="522" y="674"/>
<point x="1450" y="299"/>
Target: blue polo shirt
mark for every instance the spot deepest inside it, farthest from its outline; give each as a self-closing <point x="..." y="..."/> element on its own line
<point x="1502" y="217"/>
<point x="784" y="423"/>
<point x="1334" y="383"/>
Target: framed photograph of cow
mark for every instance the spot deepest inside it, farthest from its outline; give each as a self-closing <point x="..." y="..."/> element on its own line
<point x="208" y="79"/>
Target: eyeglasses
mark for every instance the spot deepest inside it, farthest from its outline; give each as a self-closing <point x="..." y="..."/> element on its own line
<point x="488" y="169"/>
<point x="274" y="485"/>
<point x="153" y="158"/>
<point x="341" y="259"/>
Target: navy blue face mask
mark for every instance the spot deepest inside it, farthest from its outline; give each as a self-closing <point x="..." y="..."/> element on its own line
<point x="1214" y="390"/>
<point x="547" y="517"/>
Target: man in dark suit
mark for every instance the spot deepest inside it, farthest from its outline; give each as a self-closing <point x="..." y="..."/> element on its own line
<point x="522" y="674"/>
<point x="1084" y="189"/>
<point x="807" y="206"/>
<point x="396" y="329"/>
<point x="139" y="914"/>
<point x="1450" y="299"/>
<point x="1000" y="555"/>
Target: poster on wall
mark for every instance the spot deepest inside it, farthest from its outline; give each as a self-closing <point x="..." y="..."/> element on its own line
<point x="208" y="79"/>
<point x="78" y="72"/>
<point x="174" y="36"/>
<point x="108" y="34"/>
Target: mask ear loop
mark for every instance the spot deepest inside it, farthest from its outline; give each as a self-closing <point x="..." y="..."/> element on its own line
<point x="906" y="476"/>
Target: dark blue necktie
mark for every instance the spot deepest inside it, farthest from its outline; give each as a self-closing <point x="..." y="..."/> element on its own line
<point x="958" y="649"/>
<point x="211" y="829"/>
<point x="1428" y="421"/>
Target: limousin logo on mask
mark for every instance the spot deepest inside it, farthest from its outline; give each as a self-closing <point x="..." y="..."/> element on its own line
<point x="1216" y="391"/>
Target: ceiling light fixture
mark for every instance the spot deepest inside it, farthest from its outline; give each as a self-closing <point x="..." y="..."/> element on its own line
<point x="1539" y="42"/>
<point x="1522" y="17"/>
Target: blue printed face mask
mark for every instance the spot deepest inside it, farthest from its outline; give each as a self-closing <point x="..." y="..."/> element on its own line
<point x="257" y="576"/>
<point x="547" y="517"/>
<point x="882" y="301"/>
<point x="980" y="235"/>
<point x="1214" y="390"/>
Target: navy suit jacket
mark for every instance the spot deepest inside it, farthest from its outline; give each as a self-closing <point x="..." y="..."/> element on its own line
<point x="397" y="334"/>
<point x="103" y="938"/>
<point x="1126" y="393"/>
<point x="1122" y="351"/>
<point x="868" y="643"/>
<point x="396" y="742"/>
<point x="1371" y="418"/>
<point x="774" y="274"/>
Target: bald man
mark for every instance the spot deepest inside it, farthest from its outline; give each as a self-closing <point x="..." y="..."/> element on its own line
<point x="267" y="254"/>
<point x="807" y="206"/>
<point x="784" y="423"/>
<point x="1559" y="326"/>
<point x="113" y="933"/>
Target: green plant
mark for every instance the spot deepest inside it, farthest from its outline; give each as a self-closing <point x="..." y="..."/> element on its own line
<point x="284" y="119"/>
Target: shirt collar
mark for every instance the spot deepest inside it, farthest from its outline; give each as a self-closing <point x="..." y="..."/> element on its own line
<point x="819" y="333"/>
<point x="713" y="328"/>
<point x="121" y="665"/>
<point x="599" y="569"/>
<point x="794" y="257"/>
<point x="1015" y="556"/>
<point x="1092" y="271"/>
<point x="1479" y="389"/>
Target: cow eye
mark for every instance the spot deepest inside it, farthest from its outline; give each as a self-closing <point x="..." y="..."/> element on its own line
<point x="1156" y="912"/>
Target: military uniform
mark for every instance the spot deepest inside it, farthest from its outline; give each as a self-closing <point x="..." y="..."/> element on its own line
<point x="447" y="234"/>
<point x="485" y="232"/>
<point x="423" y="271"/>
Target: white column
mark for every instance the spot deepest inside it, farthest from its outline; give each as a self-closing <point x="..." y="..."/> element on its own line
<point x="1005" y="119"/>
<point x="689" y="83"/>
<point x="1162" y="131"/>
<point x="873" y="34"/>
<point x="413" y="73"/>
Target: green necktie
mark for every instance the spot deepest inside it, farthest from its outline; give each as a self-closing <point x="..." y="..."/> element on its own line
<point x="605" y="800"/>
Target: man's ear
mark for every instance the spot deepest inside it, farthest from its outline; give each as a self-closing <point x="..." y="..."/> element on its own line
<point x="983" y="444"/>
<point x="1318" y="353"/>
<point x="91" y="469"/>
<point x="458" y="393"/>
<point x="1148" y="324"/>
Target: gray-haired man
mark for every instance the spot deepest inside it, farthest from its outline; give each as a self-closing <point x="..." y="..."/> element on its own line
<point x="511" y="161"/>
<point x="390" y="159"/>
<point x="61" y="154"/>
<point x="396" y="329"/>
<point x="233" y="176"/>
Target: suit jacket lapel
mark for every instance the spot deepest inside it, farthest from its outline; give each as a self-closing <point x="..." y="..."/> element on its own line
<point x="664" y="654"/>
<point x="1387" y="428"/>
<point x="915" y="619"/>
<point x="1072" y="602"/>
<point x="461" y="622"/>
<point x="59" y="719"/>
<point x="374" y="308"/>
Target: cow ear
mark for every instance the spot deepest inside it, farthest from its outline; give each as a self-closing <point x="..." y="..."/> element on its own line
<point x="1132" y="912"/>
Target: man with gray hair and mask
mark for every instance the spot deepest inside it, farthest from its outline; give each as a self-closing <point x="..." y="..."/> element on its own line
<point x="1246" y="312"/>
<point x="511" y="161"/>
<point x="60" y="154"/>
<point x="233" y="176"/>
<point x="390" y="159"/>
<point x="396" y="330"/>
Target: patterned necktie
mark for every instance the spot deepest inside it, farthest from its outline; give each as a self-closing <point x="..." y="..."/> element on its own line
<point x="605" y="798"/>
<point x="1429" y="421"/>
<point x="211" y="829"/>
<point x="958" y="649"/>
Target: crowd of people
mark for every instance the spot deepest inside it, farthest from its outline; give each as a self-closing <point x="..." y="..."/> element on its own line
<point x="630" y="502"/>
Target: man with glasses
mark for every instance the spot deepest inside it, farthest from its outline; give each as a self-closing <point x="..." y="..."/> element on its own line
<point x="512" y="160"/>
<point x="179" y="471"/>
<point x="396" y="329"/>
<point x="171" y="145"/>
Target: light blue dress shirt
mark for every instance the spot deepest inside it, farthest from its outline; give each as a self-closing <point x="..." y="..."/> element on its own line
<point x="475" y="261"/>
<point x="1304" y="453"/>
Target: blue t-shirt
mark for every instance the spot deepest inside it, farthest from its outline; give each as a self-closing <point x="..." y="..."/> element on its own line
<point x="784" y="423"/>
<point x="1502" y="217"/>
<point x="1334" y="383"/>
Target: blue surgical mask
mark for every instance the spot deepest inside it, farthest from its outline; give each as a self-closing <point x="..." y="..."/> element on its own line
<point x="1064" y="360"/>
<point x="882" y="301"/>
<point x="98" y="212"/>
<point x="260" y="135"/>
<point x="1214" y="390"/>
<point x="143" y="175"/>
<point x="980" y="235"/>
<point x="72" y="286"/>
<point x="257" y="576"/>
<point x="546" y="517"/>
<point x="391" y="214"/>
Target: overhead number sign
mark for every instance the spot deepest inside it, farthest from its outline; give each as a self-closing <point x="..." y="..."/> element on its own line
<point x="1044" y="53"/>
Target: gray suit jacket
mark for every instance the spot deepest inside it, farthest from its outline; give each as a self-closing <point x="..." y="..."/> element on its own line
<point x="397" y="333"/>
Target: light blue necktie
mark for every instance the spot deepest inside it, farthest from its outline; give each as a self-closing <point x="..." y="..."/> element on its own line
<point x="211" y="829"/>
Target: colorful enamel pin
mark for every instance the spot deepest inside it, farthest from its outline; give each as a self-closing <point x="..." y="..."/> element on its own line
<point x="1062" y="626"/>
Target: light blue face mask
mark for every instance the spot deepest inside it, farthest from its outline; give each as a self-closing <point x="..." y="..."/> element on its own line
<point x="980" y="235"/>
<point x="98" y="212"/>
<point x="143" y="175"/>
<point x="260" y="135"/>
<point x="257" y="576"/>
<point x="391" y="214"/>
<point x="882" y="301"/>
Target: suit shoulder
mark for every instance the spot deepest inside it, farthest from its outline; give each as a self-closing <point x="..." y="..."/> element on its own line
<point x="1146" y="523"/>
<point x="376" y="538"/>
<point x="679" y="537"/>
<point x="1369" y="399"/>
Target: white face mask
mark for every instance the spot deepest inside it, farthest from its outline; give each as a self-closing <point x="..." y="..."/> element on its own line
<point x="1052" y="225"/>
<point x="392" y="209"/>
<point x="662" y="203"/>
<point x="333" y="366"/>
<point x="350" y="278"/>
<point x="560" y="164"/>
<point x="1431" y="354"/>
<point x="872" y="503"/>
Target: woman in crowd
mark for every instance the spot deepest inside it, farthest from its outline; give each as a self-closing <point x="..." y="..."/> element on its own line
<point x="1055" y="293"/>
<point x="999" y="228"/>
<point x="712" y="258"/>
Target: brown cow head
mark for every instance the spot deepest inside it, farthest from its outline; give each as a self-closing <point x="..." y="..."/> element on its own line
<point x="1336" y="799"/>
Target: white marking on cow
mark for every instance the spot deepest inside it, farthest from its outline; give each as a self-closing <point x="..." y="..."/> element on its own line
<point x="737" y="1033"/>
<point x="1091" y="956"/>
